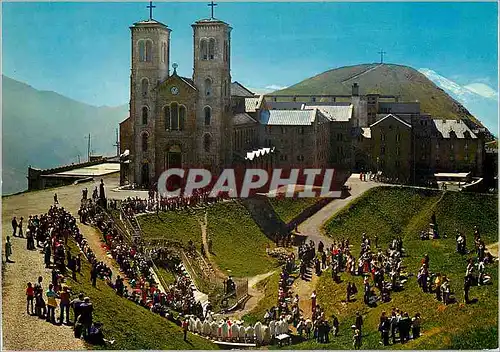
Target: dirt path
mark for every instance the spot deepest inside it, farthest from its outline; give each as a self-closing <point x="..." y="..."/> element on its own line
<point x="304" y="289"/>
<point x="255" y="295"/>
<point x="21" y="331"/>
<point x="312" y="227"/>
<point x="204" y="239"/>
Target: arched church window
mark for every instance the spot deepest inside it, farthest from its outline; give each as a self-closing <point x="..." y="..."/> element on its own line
<point x="204" y="49"/>
<point x="144" y="87"/>
<point x="174" y="116"/>
<point x="144" y="115"/>
<point x="145" y="142"/>
<point x="149" y="51"/>
<point x="142" y="51"/>
<point x="208" y="87"/>
<point x="207" y="141"/>
<point x="211" y="48"/>
<point x="182" y="117"/>
<point x="167" y="117"/>
<point x="208" y="115"/>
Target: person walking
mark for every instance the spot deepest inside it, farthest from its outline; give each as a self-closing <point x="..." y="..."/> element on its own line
<point x="30" y="296"/>
<point x="20" y="225"/>
<point x="14" y="226"/>
<point x="8" y="250"/>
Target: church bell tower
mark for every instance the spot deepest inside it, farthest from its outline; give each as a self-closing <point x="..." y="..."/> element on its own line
<point x="150" y="65"/>
<point x="212" y="78"/>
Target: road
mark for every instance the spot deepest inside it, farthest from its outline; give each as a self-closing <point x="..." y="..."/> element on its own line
<point x="312" y="227"/>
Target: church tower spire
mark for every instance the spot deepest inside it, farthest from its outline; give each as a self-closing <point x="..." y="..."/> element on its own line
<point x="212" y="77"/>
<point x="150" y="65"/>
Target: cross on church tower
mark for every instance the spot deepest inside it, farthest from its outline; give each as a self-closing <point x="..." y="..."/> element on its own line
<point x="382" y="52"/>
<point x="150" y="7"/>
<point x="212" y="5"/>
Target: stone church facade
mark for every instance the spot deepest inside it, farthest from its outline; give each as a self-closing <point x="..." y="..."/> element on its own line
<point x="177" y="121"/>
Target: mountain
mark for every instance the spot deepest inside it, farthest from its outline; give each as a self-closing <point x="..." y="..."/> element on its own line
<point x="480" y="99"/>
<point x="45" y="129"/>
<point x="389" y="79"/>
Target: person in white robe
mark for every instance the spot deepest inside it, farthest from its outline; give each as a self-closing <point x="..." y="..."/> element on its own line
<point x="249" y="334"/>
<point x="199" y="326"/>
<point x="235" y="329"/>
<point x="272" y="328"/>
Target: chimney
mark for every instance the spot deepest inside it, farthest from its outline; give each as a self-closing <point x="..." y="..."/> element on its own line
<point x="355" y="90"/>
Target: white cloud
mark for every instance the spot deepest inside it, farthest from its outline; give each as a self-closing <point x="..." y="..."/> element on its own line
<point x="483" y="90"/>
<point x="275" y="87"/>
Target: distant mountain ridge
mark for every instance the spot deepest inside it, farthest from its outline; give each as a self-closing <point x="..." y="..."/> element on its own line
<point x="45" y="129"/>
<point x="389" y="79"/>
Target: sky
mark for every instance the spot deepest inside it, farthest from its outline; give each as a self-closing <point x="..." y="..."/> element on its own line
<point x="82" y="50"/>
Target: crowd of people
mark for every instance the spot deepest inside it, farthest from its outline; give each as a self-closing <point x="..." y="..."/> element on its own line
<point x="51" y="232"/>
<point x="153" y="203"/>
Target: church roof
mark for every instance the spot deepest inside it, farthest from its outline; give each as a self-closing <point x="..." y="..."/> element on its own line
<point x="445" y="127"/>
<point x="150" y="22"/>
<point x="188" y="81"/>
<point x="242" y="119"/>
<point x="238" y="90"/>
<point x="209" y="21"/>
<point x="333" y="111"/>
<point x="288" y="117"/>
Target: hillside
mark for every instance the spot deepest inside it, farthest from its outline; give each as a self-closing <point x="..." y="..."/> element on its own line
<point x="389" y="212"/>
<point x="45" y="129"/>
<point x="387" y="79"/>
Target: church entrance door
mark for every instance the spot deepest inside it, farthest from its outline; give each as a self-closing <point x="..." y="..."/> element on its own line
<point x="174" y="160"/>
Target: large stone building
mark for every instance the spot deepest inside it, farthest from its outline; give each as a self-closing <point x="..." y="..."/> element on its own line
<point x="208" y="121"/>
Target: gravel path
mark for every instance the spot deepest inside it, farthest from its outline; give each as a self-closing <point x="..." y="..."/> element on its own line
<point x="312" y="227"/>
<point x="21" y="331"/>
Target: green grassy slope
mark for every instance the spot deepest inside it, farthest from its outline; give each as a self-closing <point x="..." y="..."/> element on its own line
<point x="404" y="212"/>
<point x="238" y="243"/>
<point x="180" y="226"/>
<point x="131" y="326"/>
<point x="388" y="79"/>
<point x="288" y="208"/>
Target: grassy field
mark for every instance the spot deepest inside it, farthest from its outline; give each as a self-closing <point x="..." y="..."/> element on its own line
<point x="288" y="208"/>
<point x="180" y="226"/>
<point x="404" y="212"/>
<point x="239" y="246"/>
<point x="131" y="326"/>
<point x="270" y="287"/>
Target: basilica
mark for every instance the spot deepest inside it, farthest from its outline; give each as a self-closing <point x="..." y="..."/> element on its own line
<point x="210" y="121"/>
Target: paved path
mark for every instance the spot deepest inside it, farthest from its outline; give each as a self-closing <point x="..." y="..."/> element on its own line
<point x="21" y="331"/>
<point x="312" y="227"/>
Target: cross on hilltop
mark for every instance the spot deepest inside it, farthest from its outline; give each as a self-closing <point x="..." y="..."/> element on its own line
<point x="382" y="52"/>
